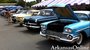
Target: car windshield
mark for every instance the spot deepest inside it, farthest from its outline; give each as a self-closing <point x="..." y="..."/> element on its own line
<point x="82" y="16"/>
<point x="46" y="13"/>
<point x="24" y="11"/>
<point x="35" y="13"/>
<point x="19" y="11"/>
<point x="29" y="12"/>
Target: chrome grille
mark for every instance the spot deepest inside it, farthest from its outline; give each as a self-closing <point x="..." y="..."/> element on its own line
<point x="59" y="34"/>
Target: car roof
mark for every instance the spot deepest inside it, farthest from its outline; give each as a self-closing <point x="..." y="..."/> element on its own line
<point x="86" y="12"/>
<point x="34" y="10"/>
<point x="47" y="9"/>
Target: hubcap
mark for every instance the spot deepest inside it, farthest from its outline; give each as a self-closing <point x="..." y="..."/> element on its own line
<point x="80" y="39"/>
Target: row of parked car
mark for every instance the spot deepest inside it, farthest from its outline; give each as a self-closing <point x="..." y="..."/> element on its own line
<point x="4" y="9"/>
<point x="59" y="23"/>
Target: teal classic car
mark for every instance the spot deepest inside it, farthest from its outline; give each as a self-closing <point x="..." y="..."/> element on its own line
<point x="72" y="27"/>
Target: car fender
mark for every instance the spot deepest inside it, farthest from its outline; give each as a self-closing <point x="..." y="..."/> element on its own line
<point x="46" y="23"/>
<point x="80" y="26"/>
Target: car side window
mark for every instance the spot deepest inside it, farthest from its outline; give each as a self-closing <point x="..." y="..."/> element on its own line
<point x="49" y="13"/>
<point x="82" y="16"/>
<point x="89" y="17"/>
<point x="46" y="13"/>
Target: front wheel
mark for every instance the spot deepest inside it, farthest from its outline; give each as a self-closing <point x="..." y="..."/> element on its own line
<point x="80" y="39"/>
<point x="21" y="24"/>
<point x="28" y="28"/>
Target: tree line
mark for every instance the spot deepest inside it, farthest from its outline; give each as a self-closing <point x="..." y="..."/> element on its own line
<point x="7" y="1"/>
<point x="20" y="2"/>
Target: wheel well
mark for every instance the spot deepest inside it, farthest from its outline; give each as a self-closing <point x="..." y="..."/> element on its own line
<point x="84" y="34"/>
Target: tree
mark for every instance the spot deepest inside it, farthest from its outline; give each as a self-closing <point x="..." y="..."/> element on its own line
<point x="7" y="1"/>
<point x="12" y="1"/>
<point x="21" y="3"/>
<point x="31" y="3"/>
<point x="4" y="1"/>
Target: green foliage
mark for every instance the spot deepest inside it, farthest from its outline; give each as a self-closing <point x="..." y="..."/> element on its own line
<point x="12" y="1"/>
<point x="28" y="4"/>
<point x="31" y="3"/>
<point x="7" y="1"/>
<point x="21" y="3"/>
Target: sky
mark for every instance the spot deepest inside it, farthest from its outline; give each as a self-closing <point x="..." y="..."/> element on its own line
<point x="30" y="0"/>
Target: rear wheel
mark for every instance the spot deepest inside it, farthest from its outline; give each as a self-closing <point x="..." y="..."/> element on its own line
<point x="14" y="21"/>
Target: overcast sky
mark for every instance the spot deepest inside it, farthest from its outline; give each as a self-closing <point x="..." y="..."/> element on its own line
<point x="30" y="0"/>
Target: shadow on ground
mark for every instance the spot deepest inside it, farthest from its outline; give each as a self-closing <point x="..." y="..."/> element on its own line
<point x="47" y="44"/>
<point x="31" y="31"/>
<point x="18" y="25"/>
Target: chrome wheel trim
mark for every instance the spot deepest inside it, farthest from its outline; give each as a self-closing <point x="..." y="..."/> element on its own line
<point x="80" y="39"/>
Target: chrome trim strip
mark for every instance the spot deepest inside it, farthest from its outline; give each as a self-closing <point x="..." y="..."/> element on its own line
<point x="62" y="39"/>
<point x="32" y="23"/>
<point x="34" y="26"/>
<point x="42" y="34"/>
<point x="31" y="26"/>
<point x="83" y="29"/>
<point x="24" y="25"/>
<point x="65" y="39"/>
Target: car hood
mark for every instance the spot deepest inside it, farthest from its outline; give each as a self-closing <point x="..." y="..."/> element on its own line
<point x="42" y="17"/>
<point x="21" y="15"/>
<point x="64" y="11"/>
<point x="79" y="25"/>
<point x="27" y="17"/>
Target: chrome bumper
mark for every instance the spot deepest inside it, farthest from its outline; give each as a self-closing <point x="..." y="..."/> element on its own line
<point x="58" y="38"/>
<point x="31" y="26"/>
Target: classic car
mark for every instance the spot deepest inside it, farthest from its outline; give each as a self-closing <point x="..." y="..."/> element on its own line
<point x="9" y="8"/>
<point x="1" y="11"/>
<point x="71" y="27"/>
<point x="17" y="14"/>
<point x="43" y="16"/>
<point x="26" y="14"/>
<point x="12" y="9"/>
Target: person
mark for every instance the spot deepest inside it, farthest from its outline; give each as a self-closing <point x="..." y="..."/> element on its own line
<point x="8" y="15"/>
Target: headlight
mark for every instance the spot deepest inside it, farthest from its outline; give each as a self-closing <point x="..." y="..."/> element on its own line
<point x="35" y="20"/>
<point x="68" y="30"/>
<point x="70" y="37"/>
<point x="43" y="28"/>
<point x="20" y="18"/>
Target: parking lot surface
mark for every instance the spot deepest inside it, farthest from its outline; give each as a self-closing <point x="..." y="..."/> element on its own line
<point x="14" y="37"/>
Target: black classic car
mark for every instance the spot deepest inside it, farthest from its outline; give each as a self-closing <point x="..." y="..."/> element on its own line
<point x="43" y="16"/>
